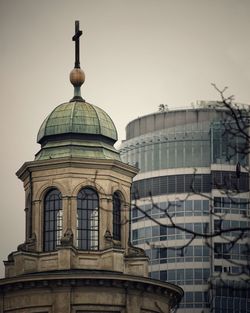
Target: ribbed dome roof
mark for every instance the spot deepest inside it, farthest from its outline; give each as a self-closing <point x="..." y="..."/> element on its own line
<point x="77" y="118"/>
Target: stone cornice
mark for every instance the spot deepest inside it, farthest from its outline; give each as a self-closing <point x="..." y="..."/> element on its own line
<point x="80" y="278"/>
<point x="114" y="165"/>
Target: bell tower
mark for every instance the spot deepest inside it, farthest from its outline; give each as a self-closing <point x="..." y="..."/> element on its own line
<point x="77" y="255"/>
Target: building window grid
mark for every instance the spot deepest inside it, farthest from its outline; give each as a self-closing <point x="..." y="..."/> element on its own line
<point x="228" y="148"/>
<point x="185" y="276"/>
<point x="202" y="183"/>
<point x="168" y="185"/>
<point x="244" y="186"/>
<point x="231" y="205"/>
<point x="175" y="208"/>
<point x="228" y="180"/>
<point x="194" y="300"/>
<point x="192" y="142"/>
<point x="53" y="218"/>
<point x="87" y="220"/>
<point x="192" y="253"/>
<point x="156" y="233"/>
<point x="185" y="145"/>
<point x="229" y="252"/>
<point x="231" y="297"/>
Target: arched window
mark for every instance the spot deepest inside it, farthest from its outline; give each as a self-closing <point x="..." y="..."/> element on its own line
<point x="116" y="216"/>
<point x="87" y="219"/>
<point x="52" y="220"/>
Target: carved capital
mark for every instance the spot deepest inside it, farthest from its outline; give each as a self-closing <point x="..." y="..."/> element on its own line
<point x="135" y="251"/>
<point x="110" y="242"/>
<point x="29" y="245"/>
<point x="67" y="239"/>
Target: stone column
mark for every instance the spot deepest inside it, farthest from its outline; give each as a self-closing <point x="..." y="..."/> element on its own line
<point x="62" y="301"/>
<point x="38" y="223"/>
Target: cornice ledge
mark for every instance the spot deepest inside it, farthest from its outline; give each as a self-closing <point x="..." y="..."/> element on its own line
<point x="75" y="162"/>
<point x="92" y="278"/>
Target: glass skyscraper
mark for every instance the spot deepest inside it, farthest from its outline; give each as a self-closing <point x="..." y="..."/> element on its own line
<point x="190" y="203"/>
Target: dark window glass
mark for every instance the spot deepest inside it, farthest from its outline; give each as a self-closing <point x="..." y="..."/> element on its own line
<point x="155" y="231"/>
<point x="205" y="205"/>
<point x="197" y="183"/>
<point x="198" y="296"/>
<point x="189" y="183"/>
<point x="155" y="275"/>
<point x="163" y="253"/>
<point x="52" y="220"/>
<point x="171" y="275"/>
<point x="189" y="275"/>
<point x="163" y="181"/>
<point x="217" y="202"/>
<point x="134" y="213"/>
<point x="206" y="251"/>
<point x="189" y="297"/>
<point x="218" y="268"/>
<point x="198" y="250"/>
<point x="135" y="234"/>
<point x="198" y="275"/>
<point x="189" y="251"/>
<point x="163" y="275"/>
<point x="156" y="185"/>
<point x="148" y="187"/>
<point x="180" y="183"/>
<point x="206" y="183"/>
<point x="134" y="191"/>
<point x="206" y="273"/>
<point x="197" y="205"/>
<point x="116" y="216"/>
<point x="189" y="205"/>
<point x="163" y="230"/>
<point x="171" y="184"/>
<point x="87" y="219"/>
<point x="228" y="180"/>
<point x="180" y="276"/>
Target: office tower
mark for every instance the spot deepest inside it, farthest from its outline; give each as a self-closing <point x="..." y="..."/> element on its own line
<point x="193" y="182"/>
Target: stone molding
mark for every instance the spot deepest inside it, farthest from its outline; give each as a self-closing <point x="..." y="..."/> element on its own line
<point x="68" y="257"/>
<point x="94" y="279"/>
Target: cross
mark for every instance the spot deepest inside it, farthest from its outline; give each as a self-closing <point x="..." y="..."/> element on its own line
<point x="75" y="38"/>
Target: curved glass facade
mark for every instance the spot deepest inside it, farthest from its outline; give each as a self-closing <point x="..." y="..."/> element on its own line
<point x="173" y="207"/>
<point x="197" y="143"/>
<point x="170" y="148"/>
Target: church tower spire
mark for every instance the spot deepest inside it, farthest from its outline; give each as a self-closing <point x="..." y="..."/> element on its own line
<point x="77" y="255"/>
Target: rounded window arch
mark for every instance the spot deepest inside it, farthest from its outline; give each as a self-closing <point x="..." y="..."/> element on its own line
<point x="87" y="219"/>
<point x="117" y="205"/>
<point x="52" y="219"/>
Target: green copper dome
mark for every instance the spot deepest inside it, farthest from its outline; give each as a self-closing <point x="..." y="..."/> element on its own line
<point x="77" y="129"/>
<point x="77" y="118"/>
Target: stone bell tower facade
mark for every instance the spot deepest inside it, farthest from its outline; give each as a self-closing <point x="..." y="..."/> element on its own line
<point x="77" y="255"/>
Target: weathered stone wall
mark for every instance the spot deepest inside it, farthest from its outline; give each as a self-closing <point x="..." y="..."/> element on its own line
<point x="96" y="292"/>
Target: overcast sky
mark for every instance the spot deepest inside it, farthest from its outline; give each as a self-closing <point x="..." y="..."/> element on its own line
<point x="136" y="54"/>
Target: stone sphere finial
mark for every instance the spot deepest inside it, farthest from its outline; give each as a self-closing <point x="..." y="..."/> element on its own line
<point x="77" y="77"/>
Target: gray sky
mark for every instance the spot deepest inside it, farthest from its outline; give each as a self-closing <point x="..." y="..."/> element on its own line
<point x="136" y="54"/>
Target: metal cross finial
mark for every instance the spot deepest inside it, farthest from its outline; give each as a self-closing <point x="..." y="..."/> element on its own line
<point x="75" y="38"/>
